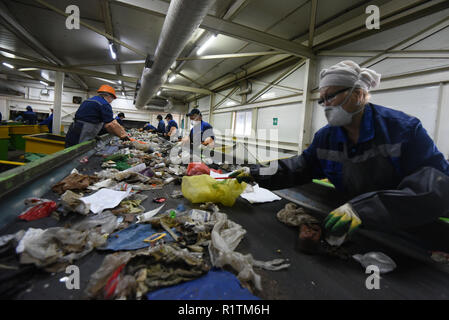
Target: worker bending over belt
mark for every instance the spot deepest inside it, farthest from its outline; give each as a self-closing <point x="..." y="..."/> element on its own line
<point x="382" y="159"/>
<point x="201" y="132"/>
<point x="172" y="128"/>
<point x="92" y="115"/>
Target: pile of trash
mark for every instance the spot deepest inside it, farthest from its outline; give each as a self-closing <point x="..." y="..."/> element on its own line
<point x="150" y="249"/>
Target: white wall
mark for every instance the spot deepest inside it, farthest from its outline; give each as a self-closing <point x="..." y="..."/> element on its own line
<point x="427" y="100"/>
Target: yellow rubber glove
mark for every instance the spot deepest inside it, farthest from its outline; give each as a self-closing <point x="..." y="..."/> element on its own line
<point x="341" y="221"/>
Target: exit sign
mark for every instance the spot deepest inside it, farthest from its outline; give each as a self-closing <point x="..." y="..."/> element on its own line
<point x="275" y="121"/>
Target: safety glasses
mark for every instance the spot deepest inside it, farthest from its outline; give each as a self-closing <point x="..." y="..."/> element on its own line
<point x="329" y="98"/>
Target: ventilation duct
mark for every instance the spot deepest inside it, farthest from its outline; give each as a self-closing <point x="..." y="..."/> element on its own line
<point x="183" y="18"/>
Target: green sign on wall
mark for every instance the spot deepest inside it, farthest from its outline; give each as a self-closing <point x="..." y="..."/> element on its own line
<point x="275" y="121"/>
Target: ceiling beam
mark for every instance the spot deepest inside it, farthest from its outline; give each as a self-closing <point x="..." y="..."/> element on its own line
<point x="392" y="54"/>
<point x="93" y="73"/>
<point x="230" y="55"/>
<point x="32" y="42"/>
<point x="312" y="22"/>
<point x="109" y="28"/>
<point x="105" y="34"/>
<point x="393" y="13"/>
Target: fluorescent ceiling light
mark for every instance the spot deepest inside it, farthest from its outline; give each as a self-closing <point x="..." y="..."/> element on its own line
<point x="159" y="93"/>
<point x="44" y="83"/>
<point x="120" y="82"/>
<point x="123" y="93"/>
<point x="106" y="80"/>
<point x="8" y="55"/>
<point x="172" y="78"/>
<point x="112" y="51"/>
<point x="28" y="69"/>
<point x="230" y="103"/>
<point x="206" y="44"/>
<point x="8" y="65"/>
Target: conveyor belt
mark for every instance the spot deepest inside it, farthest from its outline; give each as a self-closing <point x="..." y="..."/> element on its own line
<point x="309" y="276"/>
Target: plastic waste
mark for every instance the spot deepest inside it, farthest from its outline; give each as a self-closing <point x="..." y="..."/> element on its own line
<point x="144" y="217"/>
<point x="379" y="259"/>
<point x="198" y="168"/>
<point x="105" y="220"/>
<point x="199" y="215"/>
<point x="41" y="208"/>
<point x="72" y="201"/>
<point x="204" y="188"/>
<point x="137" y="168"/>
<point x="147" y="172"/>
<point x="225" y="237"/>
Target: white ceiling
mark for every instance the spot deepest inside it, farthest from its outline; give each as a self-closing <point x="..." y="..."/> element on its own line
<point x="140" y="28"/>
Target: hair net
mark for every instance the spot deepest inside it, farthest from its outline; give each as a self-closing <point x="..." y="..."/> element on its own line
<point x="347" y="74"/>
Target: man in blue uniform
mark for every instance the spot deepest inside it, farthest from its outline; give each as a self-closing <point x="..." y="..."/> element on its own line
<point x="29" y="116"/>
<point x="382" y="160"/>
<point x="172" y="128"/>
<point x="149" y="127"/>
<point x="49" y="121"/>
<point x="120" y="118"/>
<point x="92" y="114"/>
<point x="201" y="132"/>
<point x="160" y="125"/>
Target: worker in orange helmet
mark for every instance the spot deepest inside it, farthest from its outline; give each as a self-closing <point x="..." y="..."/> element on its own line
<point x="92" y="115"/>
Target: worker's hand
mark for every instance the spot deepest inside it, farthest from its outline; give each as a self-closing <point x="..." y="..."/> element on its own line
<point x="242" y="175"/>
<point x="341" y="221"/>
<point x="125" y="138"/>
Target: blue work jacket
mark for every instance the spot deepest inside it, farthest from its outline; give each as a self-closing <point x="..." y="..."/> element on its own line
<point x="95" y="110"/>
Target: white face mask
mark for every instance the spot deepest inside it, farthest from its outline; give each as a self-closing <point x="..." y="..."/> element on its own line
<point x="195" y="122"/>
<point x="337" y="116"/>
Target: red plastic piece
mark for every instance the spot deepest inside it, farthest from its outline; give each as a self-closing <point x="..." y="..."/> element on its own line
<point x="41" y="210"/>
<point x="197" y="168"/>
<point x="159" y="200"/>
<point x="112" y="283"/>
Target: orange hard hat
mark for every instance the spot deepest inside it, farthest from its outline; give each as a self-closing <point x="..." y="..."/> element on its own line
<point x="107" y="89"/>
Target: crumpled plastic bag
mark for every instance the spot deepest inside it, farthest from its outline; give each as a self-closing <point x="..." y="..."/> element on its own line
<point x="198" y="168"/>
<point x="225" y="237"/>
<point x="151" y="268"/>
<point x="106" y="221"/>
<point x="55" y="248"/>
<point x="38" y="208"/>
<point x="204" y="188"/>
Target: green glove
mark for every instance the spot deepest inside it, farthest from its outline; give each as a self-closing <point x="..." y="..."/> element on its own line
<point x="242" y="175"/>
<point x="341" y="221"/>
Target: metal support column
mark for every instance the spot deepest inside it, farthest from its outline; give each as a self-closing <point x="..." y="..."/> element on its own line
<point x="305" y="116"/>
<point x="57" y="107"/>
<point x="211" y="109"/>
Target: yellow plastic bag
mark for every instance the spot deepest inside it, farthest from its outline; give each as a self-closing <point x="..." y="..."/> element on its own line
<point x="204" y="188"/>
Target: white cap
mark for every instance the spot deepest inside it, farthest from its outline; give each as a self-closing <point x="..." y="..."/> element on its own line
<point x="348" y="74"/>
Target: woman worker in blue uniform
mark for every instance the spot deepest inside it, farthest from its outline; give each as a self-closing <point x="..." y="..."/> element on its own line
<point x="382" y="159"/>
<point x="92" y="115"/>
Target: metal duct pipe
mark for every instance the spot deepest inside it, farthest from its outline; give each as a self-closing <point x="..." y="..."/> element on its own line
<point x="183" y="18"/>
